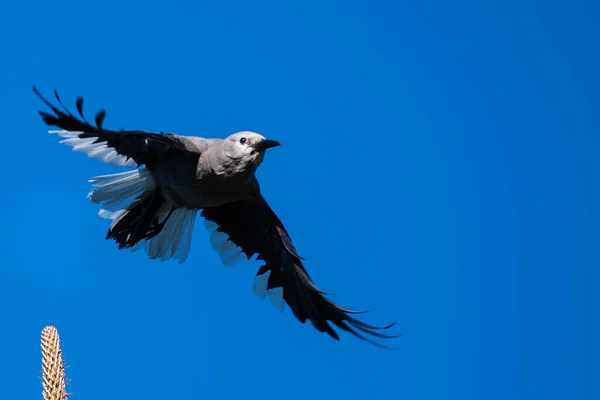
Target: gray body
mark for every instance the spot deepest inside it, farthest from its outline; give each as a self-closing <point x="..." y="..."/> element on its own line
<point x="207" y="176"/>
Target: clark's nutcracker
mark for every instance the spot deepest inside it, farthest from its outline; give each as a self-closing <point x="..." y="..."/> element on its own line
<point x="154" y="207"/>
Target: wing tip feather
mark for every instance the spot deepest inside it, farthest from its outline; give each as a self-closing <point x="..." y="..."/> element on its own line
<point x="308" y="302"/>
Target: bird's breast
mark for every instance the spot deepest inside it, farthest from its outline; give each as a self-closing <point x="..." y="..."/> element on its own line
<point x="208" y="191"/>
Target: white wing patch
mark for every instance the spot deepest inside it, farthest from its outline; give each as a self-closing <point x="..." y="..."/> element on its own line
<point x="259" y="286"/>
<point x="276" y="297"/>
<point x="98" y="151"/>
<point x="229" y="252"/>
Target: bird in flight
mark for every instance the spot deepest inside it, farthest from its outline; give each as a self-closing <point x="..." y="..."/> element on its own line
<point x="154" y="206"/>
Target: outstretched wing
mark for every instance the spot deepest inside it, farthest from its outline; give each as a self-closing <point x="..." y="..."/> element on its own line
<point x="121" y="148"/>
<point x="252" y="227"/>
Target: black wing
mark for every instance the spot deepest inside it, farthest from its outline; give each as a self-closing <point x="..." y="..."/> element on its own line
<point x="114" y="147"/>
<point x="252" y="225"/>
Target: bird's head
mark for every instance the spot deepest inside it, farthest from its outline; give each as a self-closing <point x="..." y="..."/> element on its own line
<point x="248" y="148"/>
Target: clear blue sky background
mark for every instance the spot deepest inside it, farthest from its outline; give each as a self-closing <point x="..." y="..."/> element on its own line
<point x="439" y="163"/>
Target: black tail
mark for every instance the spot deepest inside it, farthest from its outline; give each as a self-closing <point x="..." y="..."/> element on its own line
<point x="140" y="221"/>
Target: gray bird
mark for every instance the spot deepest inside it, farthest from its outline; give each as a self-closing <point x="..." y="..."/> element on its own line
<point x="154" y="207"/>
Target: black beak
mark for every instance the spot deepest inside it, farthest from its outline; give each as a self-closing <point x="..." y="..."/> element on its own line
<point x="266" y="144"/>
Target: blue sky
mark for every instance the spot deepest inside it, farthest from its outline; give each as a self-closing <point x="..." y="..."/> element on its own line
<point x="439" y="163"/>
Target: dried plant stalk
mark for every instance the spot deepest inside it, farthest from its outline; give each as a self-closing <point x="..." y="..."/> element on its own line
<point x="53" y="366"/>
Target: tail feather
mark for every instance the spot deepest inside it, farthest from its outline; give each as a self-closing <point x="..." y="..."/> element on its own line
<point x="174" y="240"/>
<point x="138" y="222"/>
<point x="115" y="188"/>
<point x="141" y="217"/>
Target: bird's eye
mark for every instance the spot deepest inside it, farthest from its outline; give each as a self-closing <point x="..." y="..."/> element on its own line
<point x="243" y="140"/>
